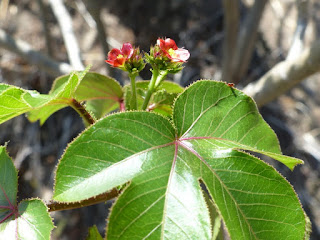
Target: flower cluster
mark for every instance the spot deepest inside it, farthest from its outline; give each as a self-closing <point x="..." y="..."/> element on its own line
<point x="165" y="55"/>
<point x="126" y="58"/>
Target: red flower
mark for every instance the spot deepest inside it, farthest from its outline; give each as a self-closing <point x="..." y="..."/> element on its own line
<point x="170" y="49"/>
<point x="118" y="57"/>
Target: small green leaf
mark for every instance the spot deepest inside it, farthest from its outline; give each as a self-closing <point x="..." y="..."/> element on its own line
<point x="94" y="234"/>
<point x="60" y="96"/>
<point x="29" y="220"/>
<point x="8" y="182"/>
<point x="101" y="93"/>
<point x="164" y="164"/>
<point x="15" y="101"/>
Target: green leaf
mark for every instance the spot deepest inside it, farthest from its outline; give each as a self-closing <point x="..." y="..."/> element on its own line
<point x="94" y="234"/>
<point x="101" y="93"/>
<point x="30" y="219"/>
<point x="161" y="101"/>
<point x="164" y="162"/>
<point x="216" y="221"/>
<point x="8" y="182"/>
<point x="60" y="96"/>
<point x="15" y="101"/>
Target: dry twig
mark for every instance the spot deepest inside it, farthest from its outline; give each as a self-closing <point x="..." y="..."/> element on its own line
<point x="65" y="23"/>
<point x="246" y="40"/>
<point x="34" y="57"/>
<point x="285" y="75"/>
<point x="302" y="23"/>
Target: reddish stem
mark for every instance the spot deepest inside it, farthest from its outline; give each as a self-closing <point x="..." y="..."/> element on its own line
<point x="5" y="207"/>
<point x="57" y="206"/>
<point x="6" y="217"/>
<point x="82" y="111"/>
<point x="122" y="107"/>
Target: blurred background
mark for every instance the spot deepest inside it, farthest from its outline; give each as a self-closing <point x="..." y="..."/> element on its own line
<point x="243" y="42"/>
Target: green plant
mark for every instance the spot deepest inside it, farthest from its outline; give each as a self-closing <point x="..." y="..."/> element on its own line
<point x="179" y="165"/>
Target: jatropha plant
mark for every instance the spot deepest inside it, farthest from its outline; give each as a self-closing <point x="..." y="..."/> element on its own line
<point x="178" y="161"/>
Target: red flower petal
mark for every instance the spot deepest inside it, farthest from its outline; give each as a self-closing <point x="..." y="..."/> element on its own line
<point x="160" y="43"/>
<point x="113" y="54"/>
<point x="169" y="43"/>
<point x="119" y="62"/>
<point x="127" y="50"/>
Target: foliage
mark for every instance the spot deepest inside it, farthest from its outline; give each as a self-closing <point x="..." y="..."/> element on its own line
<point x="182" y="166"/>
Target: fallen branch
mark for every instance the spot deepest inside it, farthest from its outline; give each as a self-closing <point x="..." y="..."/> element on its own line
<point x="65" y="23"/>
<point x="285" y="75"/>
<point x="32" y="56"/>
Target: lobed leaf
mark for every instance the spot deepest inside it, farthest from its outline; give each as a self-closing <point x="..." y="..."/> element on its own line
<point x="164" y="164"/>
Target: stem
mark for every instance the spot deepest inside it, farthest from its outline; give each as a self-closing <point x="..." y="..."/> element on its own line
<point x="84" y="114"/>
<point x="57" y="206"/>
<point x="157" y="78"/>
<point x="160" y="78"/>
<point x="133" y="100"/>
<point x="151" y="87"/>
<point x="121" y="104"/>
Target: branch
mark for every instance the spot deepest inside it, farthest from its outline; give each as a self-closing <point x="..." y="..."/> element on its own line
<point x="94" y="9"/>
<point x="285" y="75"/>
<point x="33" y="56"/>
<point x="231" y="26"/>
<point x="302" y="23"/>
<point x="246" y="40"/>
<point x="65" y="23"/>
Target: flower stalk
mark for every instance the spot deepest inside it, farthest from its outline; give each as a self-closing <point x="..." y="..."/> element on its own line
<point x="156" y="79"/>
<point x="133" y="100"/>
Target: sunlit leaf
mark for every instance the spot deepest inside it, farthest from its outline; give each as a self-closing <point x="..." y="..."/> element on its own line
<point x="164" y="162"/>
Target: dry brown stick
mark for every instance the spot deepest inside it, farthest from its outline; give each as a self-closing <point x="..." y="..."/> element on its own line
<point x="32" y="56"/>
<point x="231" y="26"/>
<point x="246" y="40"/>
<point x="285" y="75"/>
<point x="65" y="23"/>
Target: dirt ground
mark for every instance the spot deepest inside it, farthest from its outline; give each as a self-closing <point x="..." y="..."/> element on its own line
<point x="196" y="25"/>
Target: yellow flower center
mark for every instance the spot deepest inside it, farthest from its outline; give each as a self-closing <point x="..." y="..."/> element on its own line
<point x="172" y="52"/>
